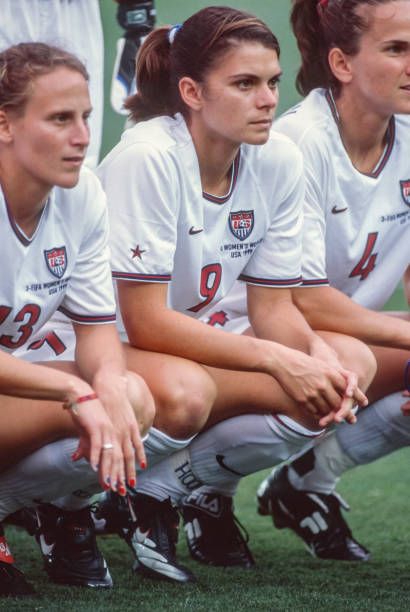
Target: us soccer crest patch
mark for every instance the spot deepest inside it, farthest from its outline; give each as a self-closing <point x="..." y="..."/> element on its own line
<point x="56" y="260"/>
<point x="241" y="223"/>
<point x="405" y="191"/>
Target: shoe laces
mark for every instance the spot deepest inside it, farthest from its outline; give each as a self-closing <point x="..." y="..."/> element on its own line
<point x="230" y="528"/>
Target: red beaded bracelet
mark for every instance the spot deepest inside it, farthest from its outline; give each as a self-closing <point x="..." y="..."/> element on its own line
<point x="80" y="400"/>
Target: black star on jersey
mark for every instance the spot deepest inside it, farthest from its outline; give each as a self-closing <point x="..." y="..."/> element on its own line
<point x="137" y="252"/>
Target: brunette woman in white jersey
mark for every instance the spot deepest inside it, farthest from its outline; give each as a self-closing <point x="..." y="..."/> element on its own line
<point x="353" y="131"/>
<point x="52" y="261"/>
<point x="200" y="194"/>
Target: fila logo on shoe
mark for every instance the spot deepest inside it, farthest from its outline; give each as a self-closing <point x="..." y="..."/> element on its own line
<point x="315" y="523"/>
<point x="193" y="530"/>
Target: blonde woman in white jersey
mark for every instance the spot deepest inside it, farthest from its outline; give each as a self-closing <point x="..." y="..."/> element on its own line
<point x="353" y="129"/>
<point x="51" y="261"/>
<point x="200" y="193"/>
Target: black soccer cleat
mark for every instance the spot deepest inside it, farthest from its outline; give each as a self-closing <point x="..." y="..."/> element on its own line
<point x="69" y="548"/>
<point x="111" y="514"/>
<point x="12" y="581"/>
<point x="214" y="534"/>
<point x="150" y="528"/>
<point x="314" y="517"/>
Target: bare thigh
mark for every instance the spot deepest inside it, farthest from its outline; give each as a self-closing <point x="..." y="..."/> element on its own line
<point x="391" y="365"/>
<point x="389" y="378"/>
<point x="26" y="425"/>
<point x="250" y="392"/>
<point x="183" y="391"/>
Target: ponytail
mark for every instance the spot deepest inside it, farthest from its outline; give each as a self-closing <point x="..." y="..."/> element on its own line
<point x="321" y="25"/>
<point x="155" y="95"/>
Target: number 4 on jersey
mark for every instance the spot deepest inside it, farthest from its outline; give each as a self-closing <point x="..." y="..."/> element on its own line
<point x="368" y="260"/>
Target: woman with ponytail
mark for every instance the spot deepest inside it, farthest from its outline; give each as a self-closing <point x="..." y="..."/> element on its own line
<point x="353" y="129"/>
<point x="200" y="194"/>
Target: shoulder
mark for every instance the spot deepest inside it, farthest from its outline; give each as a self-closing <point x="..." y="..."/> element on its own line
<point x="402" y="125"/>
<point x="88" y="190"/>
<point x="276" y="156"/>
<point x="82" y="206"/>
<point x="275" y="168"/>
<point x="309" y="124"/>
<point x="152" y="141"/>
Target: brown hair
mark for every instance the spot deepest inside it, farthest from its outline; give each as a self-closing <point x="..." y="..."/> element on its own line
<point x="21" y="64"/>
<point x="321" y="26"/>
<point x="196" y="47"/>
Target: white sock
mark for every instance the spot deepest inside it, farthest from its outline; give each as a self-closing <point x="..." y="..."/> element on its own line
<point x="222" y="455"/>
<point x="329" y="462"/>
<point x="44" y="476"/>
<point x="159" y="445"/>
<point x="380" y="429"/>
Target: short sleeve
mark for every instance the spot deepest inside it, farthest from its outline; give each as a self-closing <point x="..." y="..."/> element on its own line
<point x="142" y="195"/>
<point x="277" y="260"/>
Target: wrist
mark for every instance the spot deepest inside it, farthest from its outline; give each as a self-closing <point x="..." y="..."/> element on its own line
<point x="82" y="399"/>
<point x="272" y="358"/>
<point x="109" y="377"/>
<point x="76" y="388"/>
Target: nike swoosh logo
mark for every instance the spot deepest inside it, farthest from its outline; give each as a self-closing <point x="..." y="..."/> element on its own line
<point x="193" y="231"/>
<point x="45" y="548"/>
<point x="140" y="536"/>
<point x="336" y="210"/>
<point x="220" y="460"/>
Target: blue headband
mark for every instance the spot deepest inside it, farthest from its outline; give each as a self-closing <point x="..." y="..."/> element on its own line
<point x="173" y="31"/>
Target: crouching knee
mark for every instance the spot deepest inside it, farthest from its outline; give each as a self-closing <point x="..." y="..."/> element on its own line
<point x="354" y="355"/>
<point x="142" y="402"/>
<point x="183" y="407"/>
<point x="362" y="361"/>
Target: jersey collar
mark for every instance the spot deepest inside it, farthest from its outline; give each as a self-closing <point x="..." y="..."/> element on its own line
<point x="390" y="137"/>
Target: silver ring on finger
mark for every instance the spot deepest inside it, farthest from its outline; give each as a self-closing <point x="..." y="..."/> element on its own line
<point x="107" y="446"/>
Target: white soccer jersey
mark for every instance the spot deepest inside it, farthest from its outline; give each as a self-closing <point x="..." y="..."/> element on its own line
<point x="356" y="225"/>
<point x="165" y="229"/>
<point x="64" y="265"/>
<point x="74" y="25"/>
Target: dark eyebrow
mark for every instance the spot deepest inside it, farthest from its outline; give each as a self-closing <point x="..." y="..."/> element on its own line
<point x="252" y="76"/>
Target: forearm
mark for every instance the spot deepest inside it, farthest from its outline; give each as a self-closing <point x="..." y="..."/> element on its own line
<point x="279" y="320"/>
<point x="175" y="333"/>
<point x="327" y="309"/>
<point x="23" y="379"/>
<point x="99" y="352"/>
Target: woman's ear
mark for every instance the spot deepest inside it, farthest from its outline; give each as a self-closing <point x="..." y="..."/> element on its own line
<point x="340" y="65"/>
<point x="6" y="132"/>
<point x="191" y="93"/>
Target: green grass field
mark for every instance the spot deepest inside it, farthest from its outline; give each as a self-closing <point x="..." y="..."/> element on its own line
<point x="286" y="577"/>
